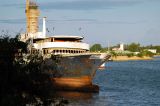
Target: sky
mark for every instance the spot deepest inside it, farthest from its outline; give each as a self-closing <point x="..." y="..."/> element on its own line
<point x="98" y="21"/>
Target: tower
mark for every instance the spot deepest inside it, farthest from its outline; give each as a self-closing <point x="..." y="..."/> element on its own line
<point x="32" y="14"/>
<point x="121" y="47"/>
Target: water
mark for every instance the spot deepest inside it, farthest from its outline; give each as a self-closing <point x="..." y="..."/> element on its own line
<point x="130" y="83"/>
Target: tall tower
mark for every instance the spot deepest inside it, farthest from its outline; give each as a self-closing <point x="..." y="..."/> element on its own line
<point x="121" y="47"/>
<point x="32" y="14"/>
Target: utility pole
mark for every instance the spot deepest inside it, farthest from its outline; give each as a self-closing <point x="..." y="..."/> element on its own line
<point x="108" y="46"/>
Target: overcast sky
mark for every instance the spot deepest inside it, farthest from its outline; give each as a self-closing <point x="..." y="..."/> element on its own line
<point x="99" y="21"/>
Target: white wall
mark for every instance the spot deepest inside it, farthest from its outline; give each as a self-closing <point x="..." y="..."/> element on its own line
<point x="73" y="45"/>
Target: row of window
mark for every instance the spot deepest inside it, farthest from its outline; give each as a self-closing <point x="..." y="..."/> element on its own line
<point x="46" y="51"/>
<point x="63" y="51"/>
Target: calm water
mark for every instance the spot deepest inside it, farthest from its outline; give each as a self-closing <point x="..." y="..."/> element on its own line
<point x="131" y="83"/>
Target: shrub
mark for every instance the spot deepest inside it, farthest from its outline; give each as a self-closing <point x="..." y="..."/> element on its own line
<point x="130" y="54"/>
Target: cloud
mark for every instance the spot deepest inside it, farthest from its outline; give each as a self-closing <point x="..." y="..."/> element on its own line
<point x="72" y="20"/>
<point x="86" y="20"/>
<point x="23" y="21"/>
<point x="78" y="4"/>
<point x="95" y="21"/>
<point x="87" y="4"/>
<point x="17" y="5"/>
<point x="123" y="22"/>
<point x="13" y="21"/>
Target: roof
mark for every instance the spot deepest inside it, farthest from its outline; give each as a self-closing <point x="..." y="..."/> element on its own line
<point x="67" y="36"/>
<point x="61" y="37"/>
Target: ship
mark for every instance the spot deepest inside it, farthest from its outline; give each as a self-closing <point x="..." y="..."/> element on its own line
<point x="67" y="58"/>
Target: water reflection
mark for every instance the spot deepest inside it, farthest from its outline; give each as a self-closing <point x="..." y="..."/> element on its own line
<point x="74" y="95"/>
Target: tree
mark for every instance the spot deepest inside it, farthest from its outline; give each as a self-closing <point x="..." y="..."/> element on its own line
<point x="113" y="53"/>
<point x="96" y="48"/>
<point x="133" y="47"/>
<point x="8" y="73"/>
<point x="23" y="82"/>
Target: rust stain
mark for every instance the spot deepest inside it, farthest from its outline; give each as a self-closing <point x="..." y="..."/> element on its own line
<point x="73" y="82"/>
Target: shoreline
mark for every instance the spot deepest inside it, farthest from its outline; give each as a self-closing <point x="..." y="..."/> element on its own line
<point x="126" y="58"/>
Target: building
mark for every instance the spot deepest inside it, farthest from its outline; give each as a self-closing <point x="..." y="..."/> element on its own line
<point x="152" y="50"/>
<point x="121" y="47"/>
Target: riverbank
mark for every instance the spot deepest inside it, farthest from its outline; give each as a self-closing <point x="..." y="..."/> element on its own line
<point x="126" y="58"/>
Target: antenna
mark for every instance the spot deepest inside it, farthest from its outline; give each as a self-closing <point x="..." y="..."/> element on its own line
<point x="81" y="31"/>
<point x="53" y="30"/>
<point x="108" y="46"/>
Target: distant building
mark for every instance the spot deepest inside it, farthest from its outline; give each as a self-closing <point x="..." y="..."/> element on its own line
<point x="152" y="50"/>
<point x="121" y="48"/>
<point x="136" y="53"/>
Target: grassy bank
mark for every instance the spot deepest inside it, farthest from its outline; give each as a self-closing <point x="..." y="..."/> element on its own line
<point x="126" y="58"/>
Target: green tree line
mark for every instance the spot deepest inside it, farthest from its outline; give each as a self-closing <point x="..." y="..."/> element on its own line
<point x="132" y="47"/>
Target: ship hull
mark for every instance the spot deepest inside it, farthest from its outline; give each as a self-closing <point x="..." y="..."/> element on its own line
<point x="75" y="84"/>
<point x="74" y="72"/>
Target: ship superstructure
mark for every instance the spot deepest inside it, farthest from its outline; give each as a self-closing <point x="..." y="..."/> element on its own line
<point x="60" y="44"/>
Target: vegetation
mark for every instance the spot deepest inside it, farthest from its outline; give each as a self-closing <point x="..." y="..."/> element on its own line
<point x="130" y="54"/>
<point x="133" y="49"/>
<point x="152" y="47"/>
<point x="96" y="48"/>
<point x="145" y="53"/>
<point x="114" y="54"/>
<point x="21" y="83"/>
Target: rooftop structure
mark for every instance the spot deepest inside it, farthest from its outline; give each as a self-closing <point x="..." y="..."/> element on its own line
<point x="120" y="48"/>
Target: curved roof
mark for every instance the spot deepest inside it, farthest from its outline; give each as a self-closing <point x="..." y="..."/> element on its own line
<point x="67" y="36"/>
